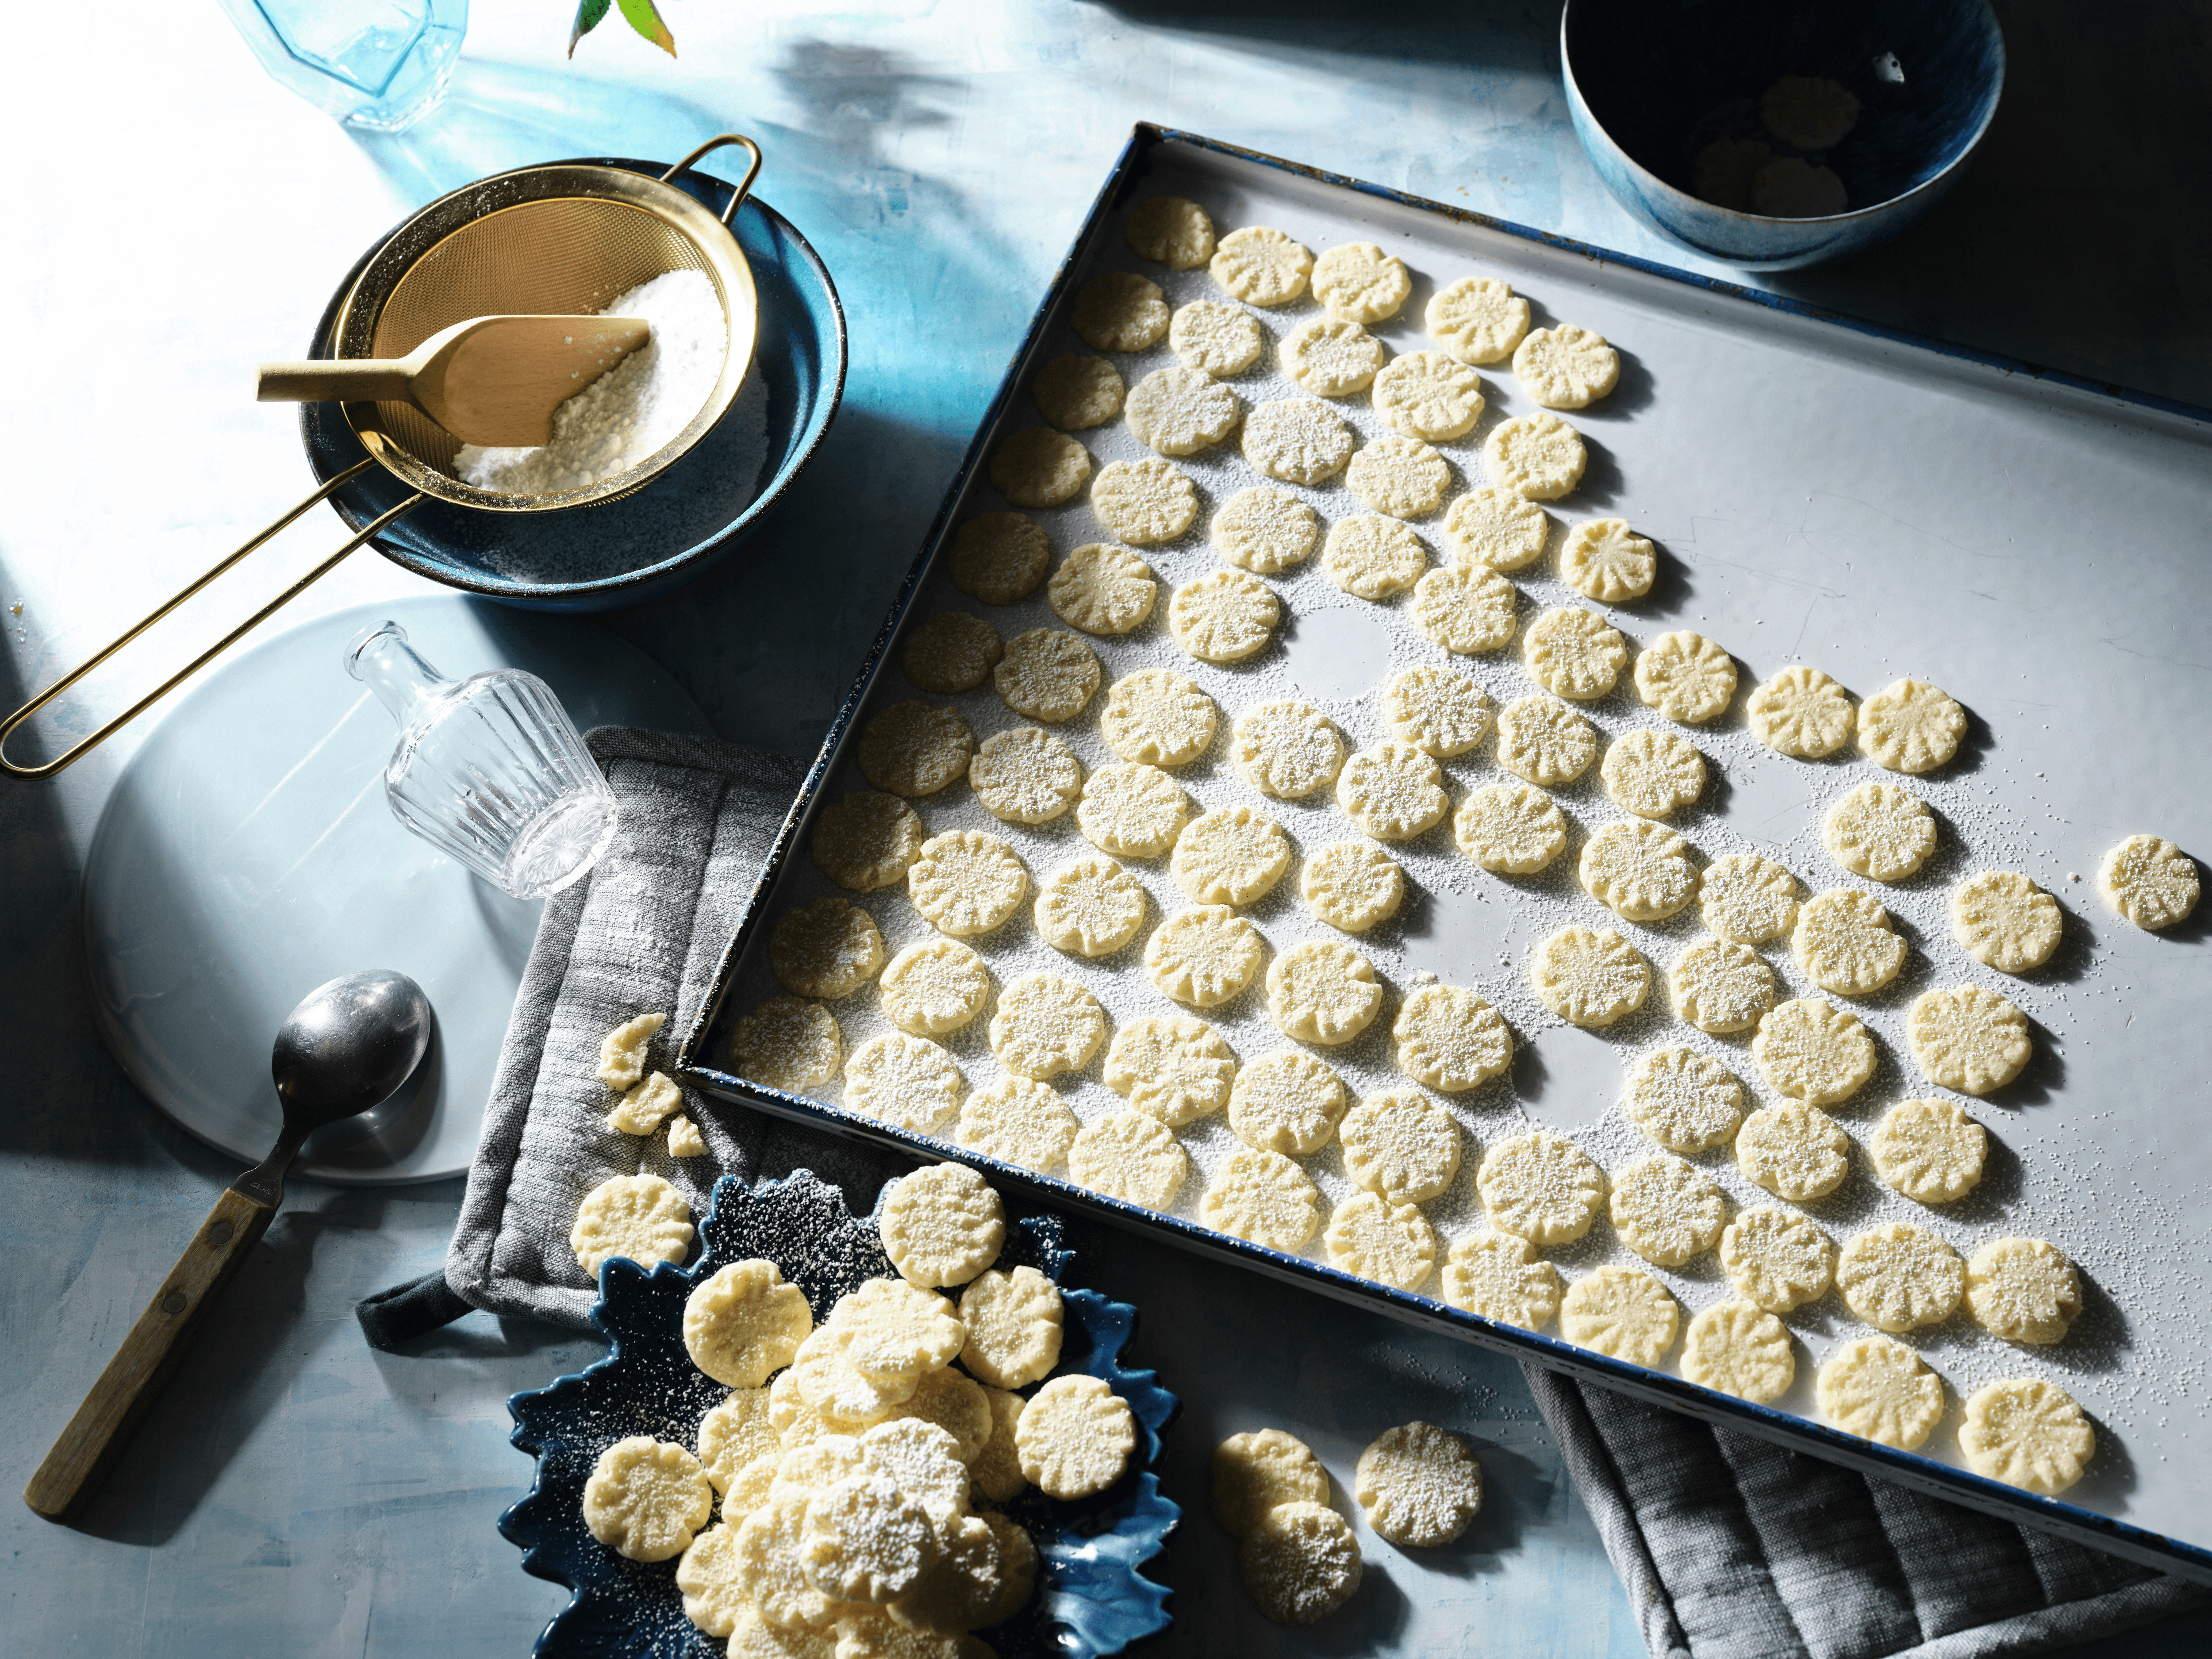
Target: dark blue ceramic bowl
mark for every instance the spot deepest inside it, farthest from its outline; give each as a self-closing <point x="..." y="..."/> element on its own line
<point x="1649" y="82"/>
<point x="680" y="525"/>
<point x="1092" y="1599"/>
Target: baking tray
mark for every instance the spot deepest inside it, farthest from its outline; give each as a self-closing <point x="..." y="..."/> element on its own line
<point x="1871" y="503"/>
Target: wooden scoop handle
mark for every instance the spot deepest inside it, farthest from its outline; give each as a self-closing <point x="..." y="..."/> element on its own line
<point x="81" y="1455"/>
<point x="348" y="380"/>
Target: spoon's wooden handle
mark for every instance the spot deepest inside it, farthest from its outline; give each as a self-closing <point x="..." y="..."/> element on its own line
<point x="81" y="1455"/>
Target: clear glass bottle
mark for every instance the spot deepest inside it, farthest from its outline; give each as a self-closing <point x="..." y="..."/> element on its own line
<point x="382" y="64"/>
<point x="489" y="770"/>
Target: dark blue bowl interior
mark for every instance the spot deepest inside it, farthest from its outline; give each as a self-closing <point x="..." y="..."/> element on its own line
<point x="1092" y="1597"/>
<point x="676" y="527"/>
<point x="1665" y="77"/>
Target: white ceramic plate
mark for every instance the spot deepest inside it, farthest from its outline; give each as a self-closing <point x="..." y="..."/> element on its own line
<point x="246" y="856"/>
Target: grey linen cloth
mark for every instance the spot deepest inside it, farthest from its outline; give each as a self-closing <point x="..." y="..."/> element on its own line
<point x="1733" y="1547"/>
<point x="644" y="931"/>
<point x="1727" y="1545"/>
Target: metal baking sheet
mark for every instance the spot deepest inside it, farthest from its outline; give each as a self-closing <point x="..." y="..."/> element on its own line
<point x="1871" y="504"/>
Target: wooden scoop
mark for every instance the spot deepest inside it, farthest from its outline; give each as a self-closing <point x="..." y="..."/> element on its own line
<point x="491" y="381"/>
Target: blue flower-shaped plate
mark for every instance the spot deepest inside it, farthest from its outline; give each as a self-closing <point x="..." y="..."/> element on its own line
<point x="1092" y="1599"/>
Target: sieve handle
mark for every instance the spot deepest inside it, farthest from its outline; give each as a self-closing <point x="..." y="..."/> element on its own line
<point x="745" y="184"/>
<point x="349" y="380"/>
<point x="47" y="768"/>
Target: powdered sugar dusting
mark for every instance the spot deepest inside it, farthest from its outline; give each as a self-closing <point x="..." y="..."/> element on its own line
<point x="632" y="410"/>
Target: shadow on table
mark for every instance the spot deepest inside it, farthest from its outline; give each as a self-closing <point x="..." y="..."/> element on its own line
<point x="2093" y="144"/>
<point x="824" y="567"/>
<point x="245" y="1361"/>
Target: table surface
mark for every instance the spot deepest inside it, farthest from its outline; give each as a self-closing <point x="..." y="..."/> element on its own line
<point x="295" y="1492"/>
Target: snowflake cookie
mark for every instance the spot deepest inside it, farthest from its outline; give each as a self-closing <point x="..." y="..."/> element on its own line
<point x="1801" y="712"/>
<point x="645" y="1498"/>
<point x="1015" y="1324"/>
<point x="1204" y="955"/>
<point x="787" y="1043"/>
<point x="1479" y="320"/>
<point x="1777" y="1259"/>
<point x="1667" y="1210"/>
<point x="1130" y="1157"/>
<point x="942" y="1225"/>
<point x="1638" y="870"/>
<point x="1262" y="267"/>
<point x="1685" y="1101"/>
<point x="1929" y="1150"/>
<point x="2150" y="881"/>
<point x="1606" y="561"/>
<point x="1910" y="726"/>
<point x="640" y="1217"/>
<point x="2005" y="921"/>
<point x="1257" y="1471"/>
<point x="1512" y="827"/>
<point x="1159" y="718"/>
<point x="1540" y="1187"/>
<point x="743" y="1323"/>
<point x="1090" y="906"/>
<point x="1969" y="1039"/>
<point x="1740" y="1350"/>
<point x="1170" y="231"/>
<point x="1075" y="1438"/>
<point x="1794" y="1151"/>
<point x="1880" y="1390"/>
<point x="1880" y="829"/>
<point x="1172" y="1067"/>
<point x="1299" y="1563"/>
<point x="1287" y="1101"/>
<point x="2027" y="1433"/>
<point x="1685" y="677"/>
<point x="1263" y="1198"/>
<point x="1401" y="1146"/>
<point x="1813" y="1051"/>
<point x="1265" y="531"/>
<point x="1119" y="311"/>
<point x="1566" y="367"/>
<point x="2023" y="1290"/>
<point x="1652" y="774"/>
<point x="1590" y="977"/>
<point x="1499" y="1276"/>
<point x="1621" y="1312"/>
<point x="1900" y="1277"/>
<point x="1720" y="986"/>
<point x="1450" y="1039"/>
<point x="867" y="841"/>
<point x="1353" y="885"/>
<point x="1420" y="1484"/>
<point x="1321" y="991"/>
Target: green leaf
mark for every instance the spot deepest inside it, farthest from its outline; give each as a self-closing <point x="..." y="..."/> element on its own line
<point x="647" y="22"/>
<point x="588" y="13"/>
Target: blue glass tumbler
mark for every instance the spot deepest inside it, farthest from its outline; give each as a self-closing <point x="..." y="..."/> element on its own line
<point x="382" y="64"/>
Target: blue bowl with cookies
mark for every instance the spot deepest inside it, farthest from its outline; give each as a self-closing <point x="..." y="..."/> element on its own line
<point x="650" y="1502"/>
<point x="1780" y="134"/>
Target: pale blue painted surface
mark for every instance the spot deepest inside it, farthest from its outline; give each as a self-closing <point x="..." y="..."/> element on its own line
<point x="296" y="1494"/>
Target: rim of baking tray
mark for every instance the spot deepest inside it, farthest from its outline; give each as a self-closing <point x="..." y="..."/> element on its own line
<point x="1909" y="1469"/>
<point x="716" y="192"/>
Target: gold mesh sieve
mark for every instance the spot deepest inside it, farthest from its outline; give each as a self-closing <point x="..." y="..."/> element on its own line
<point x="559" y="239"/>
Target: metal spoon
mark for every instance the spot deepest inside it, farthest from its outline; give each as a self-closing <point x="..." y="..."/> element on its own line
<point x="348" y="1046"/>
